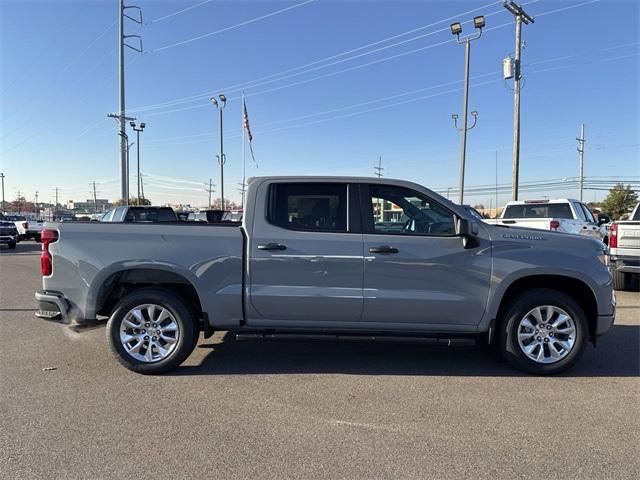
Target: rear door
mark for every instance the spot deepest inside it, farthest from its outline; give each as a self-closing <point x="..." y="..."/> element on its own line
<point x="305" y="256"/>
<point x="416" y="269"/>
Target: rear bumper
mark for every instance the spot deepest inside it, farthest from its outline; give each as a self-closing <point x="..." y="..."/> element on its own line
<point x="7" y="239"/>
<point x="624" y="263"/>
<point x="52" y="306"/>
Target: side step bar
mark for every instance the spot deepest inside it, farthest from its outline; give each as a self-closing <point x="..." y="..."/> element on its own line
<point x="441" y="340"/>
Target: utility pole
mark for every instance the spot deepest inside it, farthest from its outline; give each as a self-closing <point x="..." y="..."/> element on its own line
<point x="210" y="191"/>
<point x="95" y="198"/>
<point x="456" y="29"/>
<point x="581" y="141"/>
<point x="19" y="193"/>
<point x="36" y="205"/>
<point x="138" y="130"/>
<point x="221" y="158"/>
<point x="142" y="185"/>
<point x="3" y="205"/>
<point x="521" y="17"/>
<point x="379" y="168"/>
<point x="124" y="188"/>
<point x="55" y="211"/>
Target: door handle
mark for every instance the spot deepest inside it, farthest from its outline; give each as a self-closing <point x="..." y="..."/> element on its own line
<point x="383" y="249"/>
<point x="272" y="246"/>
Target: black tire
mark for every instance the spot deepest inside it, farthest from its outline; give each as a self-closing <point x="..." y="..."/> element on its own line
<point x="620" y="280"/>
<point x="12" y="245"/>
<point x="184" y="317"/>
<point x="525" y="302"/>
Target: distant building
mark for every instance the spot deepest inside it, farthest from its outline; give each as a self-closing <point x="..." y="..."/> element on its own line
<point x="90" y="206"/>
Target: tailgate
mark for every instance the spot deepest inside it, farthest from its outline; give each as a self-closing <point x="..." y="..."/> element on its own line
<point x="629" y="235"/>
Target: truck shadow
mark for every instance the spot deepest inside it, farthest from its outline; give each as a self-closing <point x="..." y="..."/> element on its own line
<point x="617" y="355"/>
<point x="22" y="248"/>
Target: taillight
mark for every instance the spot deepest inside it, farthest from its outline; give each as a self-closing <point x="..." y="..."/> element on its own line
<point x="47" y="237"/>
<point x="613" y="236"/>
<point x="554" y="224"/>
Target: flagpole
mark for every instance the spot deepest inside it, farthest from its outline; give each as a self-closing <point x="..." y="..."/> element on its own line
<point x="244" y="163"/>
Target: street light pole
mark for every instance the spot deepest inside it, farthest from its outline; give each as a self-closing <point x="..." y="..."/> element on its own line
<point x="138" y="130"/>
<point x="456" y="29"/>
<point x="221" y="158"/>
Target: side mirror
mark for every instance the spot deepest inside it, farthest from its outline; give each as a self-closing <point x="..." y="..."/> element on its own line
<point x="602" y="219"/>
<point x="467" y="230"/>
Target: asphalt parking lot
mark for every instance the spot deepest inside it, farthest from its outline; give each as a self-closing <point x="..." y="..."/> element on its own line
<point x="306" y="410"/>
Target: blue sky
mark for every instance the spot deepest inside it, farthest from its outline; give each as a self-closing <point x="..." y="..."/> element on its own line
<point x="59" y="67"/>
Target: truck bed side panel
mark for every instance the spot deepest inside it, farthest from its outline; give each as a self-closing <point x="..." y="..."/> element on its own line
<point x="208" y="257"/>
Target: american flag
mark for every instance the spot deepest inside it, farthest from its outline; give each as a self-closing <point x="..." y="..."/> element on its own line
<point x="245" y="124"/>
<point x="245" y="118"/>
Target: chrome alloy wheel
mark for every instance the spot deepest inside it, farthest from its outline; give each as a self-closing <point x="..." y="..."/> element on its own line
<point x="149" y="333"/>
<point x="546" y="334"/>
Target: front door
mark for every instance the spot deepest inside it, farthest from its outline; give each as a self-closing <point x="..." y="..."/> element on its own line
<point x="416" y="269"/>
<point x="306" y="260"/>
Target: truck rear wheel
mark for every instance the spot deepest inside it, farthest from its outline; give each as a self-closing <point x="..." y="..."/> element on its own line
<point x="543" y="332"/>
<point x="152" y="331"/>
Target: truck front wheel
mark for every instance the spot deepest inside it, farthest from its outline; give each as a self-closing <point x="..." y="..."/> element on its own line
<point x="543" y="332"/>
<point x="151" y="331"/>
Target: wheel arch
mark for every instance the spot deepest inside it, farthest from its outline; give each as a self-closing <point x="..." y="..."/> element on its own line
<point x="119" y="282"/>
<point x="573" y="287"/>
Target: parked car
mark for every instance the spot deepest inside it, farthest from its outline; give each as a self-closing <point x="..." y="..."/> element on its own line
<point x="560" y="215"/>
<point x="21" y="224"/>
<point x="624" y="249"/>
<point x="140" y="214"/>
<point x="8" y="232"/>
<point x="331" y="257"/>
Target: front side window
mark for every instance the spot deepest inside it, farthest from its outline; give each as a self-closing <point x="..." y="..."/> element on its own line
<point x="398" y="210"/>
<point x="309" y="206"/>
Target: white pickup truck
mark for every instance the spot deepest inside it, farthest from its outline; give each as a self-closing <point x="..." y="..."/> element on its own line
<point x="624" y="250"/>
<point x="560" y="215"/>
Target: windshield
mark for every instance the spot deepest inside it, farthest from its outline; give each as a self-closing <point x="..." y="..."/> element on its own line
<point x="539" y="210"/>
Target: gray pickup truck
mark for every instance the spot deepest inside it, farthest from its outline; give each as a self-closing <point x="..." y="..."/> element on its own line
<point x="331" y="258"/>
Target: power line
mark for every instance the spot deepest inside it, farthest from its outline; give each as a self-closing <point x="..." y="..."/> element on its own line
<point x="240" y="86"/>
<point x="178" y="12"/>
<point x="300" y="67"/>
<point x="390" y="97"/>
<point x="337" y="117"/>
<point x="241" y="24"/>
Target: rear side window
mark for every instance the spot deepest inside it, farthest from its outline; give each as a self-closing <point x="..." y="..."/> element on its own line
<point x="587" y="213"/>
<point x="150" y="215"/>
<point x="318" y="207"/>
<point x="107" y="216"/>
<point x="636" y="215"/>
<point x="539" y="210"/>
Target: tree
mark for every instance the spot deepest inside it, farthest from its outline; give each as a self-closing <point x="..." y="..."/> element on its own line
<point x="132" y="201"/>
<point x="619" y="201"/>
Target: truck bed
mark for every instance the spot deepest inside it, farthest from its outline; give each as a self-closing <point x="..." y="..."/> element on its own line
<point x="209" y="257"/>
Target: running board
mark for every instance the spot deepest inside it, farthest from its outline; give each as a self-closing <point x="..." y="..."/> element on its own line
<point x="450" y="342"/>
